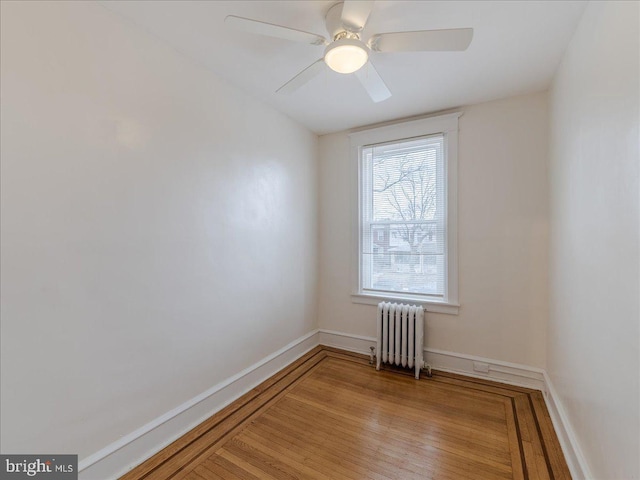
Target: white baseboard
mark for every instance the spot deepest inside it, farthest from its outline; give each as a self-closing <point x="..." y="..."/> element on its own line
<point x="499" y="371"/>
<point x="346" y="341"/>
<point x="122" y="455"/>
<point x="576" y="460"/>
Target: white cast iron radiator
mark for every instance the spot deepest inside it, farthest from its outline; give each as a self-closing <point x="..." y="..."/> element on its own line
<point x="400" y="335"/>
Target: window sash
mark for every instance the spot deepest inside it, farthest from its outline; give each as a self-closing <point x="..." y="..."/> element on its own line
<point x="446" y="124"/>
<point x="430" y="286"/>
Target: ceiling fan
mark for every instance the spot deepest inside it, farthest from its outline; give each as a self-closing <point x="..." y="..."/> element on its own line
<point x="346" y="52"/>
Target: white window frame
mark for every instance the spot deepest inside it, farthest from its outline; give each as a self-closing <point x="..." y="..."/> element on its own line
<point x="441" y="124"/>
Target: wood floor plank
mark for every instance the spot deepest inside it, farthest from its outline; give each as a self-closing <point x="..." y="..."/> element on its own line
<point x="531" y="441"/>
<point x="437" y="433"/>
<point x="333" y="431"/>
<point x="337" y="374"/>
<point x="270" y="448"/>
<point x="329" y="461"/>
<point x="271" y="465"/>
<point x="327" y="446"/>
<point x="232" y="427"/>
<point x="232" y="468"/>
<point x="172" y="454"/>
<point x="331" y="415"/>
<point x="245" y="464"/>
<point x="517" y="461"/>
<point x="207" y="476"/>
<point x="550" y="439"/>
<point x="215" y="469"/>
<point x="457" y="417"/>
<point x="404" y="438"/>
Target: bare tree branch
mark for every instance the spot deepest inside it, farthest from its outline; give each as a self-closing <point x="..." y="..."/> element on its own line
<point x="408" y="186"/>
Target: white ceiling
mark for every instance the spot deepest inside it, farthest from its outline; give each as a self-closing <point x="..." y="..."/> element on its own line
<point x="516" y="48"/>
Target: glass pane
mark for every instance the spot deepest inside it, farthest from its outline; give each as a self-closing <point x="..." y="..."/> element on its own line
<point x="404" y="257"/>
<point x="403" y="235"/>
<point x="405" y="180"/>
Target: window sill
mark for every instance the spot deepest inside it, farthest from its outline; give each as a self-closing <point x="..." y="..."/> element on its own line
<point x="434" y="307"/>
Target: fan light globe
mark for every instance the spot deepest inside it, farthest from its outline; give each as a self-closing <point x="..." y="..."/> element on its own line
<point x="346" y="55"/>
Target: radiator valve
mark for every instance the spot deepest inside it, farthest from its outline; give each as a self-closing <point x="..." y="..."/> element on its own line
<point x="427" y="367"/>
<point x="372" y="355"/>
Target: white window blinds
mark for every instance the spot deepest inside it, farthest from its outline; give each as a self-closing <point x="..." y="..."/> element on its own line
<point x="403" y="217"/>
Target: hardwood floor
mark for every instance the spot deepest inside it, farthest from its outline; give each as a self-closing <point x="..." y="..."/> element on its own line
<point x="330" y="415"/>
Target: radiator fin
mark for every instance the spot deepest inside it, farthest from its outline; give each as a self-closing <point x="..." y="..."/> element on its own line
<point x="400" y="335"/>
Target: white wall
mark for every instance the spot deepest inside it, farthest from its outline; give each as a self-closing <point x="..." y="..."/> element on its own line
<point x="502" y="239"/>
<point x="158" y="228"/>
<point x="594" y="276"/>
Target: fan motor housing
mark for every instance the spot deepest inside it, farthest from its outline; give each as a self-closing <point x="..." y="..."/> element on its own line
<point x="335" y="26"/>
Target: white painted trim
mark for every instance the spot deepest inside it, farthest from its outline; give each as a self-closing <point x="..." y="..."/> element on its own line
<point x="122" y="455"/>
<point x="346" y="341"/>
<point x="446" y="124"/>
<point x="576" y="460"/>
<point x="499" y="371"/>
<point x="413" y="128"/>
<point x="434" y="307"/>
<point x="125" y="453"/>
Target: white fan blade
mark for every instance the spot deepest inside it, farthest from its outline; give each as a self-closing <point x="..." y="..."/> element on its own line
<point x="271" y="30"/>
<point x="355" y="14"/>
<point x="303" y="77"/>
<point x="373" y="83"/>
<point x="456" y="39"/>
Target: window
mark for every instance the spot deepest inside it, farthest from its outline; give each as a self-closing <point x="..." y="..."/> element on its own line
<point x="406" y="213"/>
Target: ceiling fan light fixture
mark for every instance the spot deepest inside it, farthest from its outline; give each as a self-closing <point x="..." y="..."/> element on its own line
<point x="346" y="55"/>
